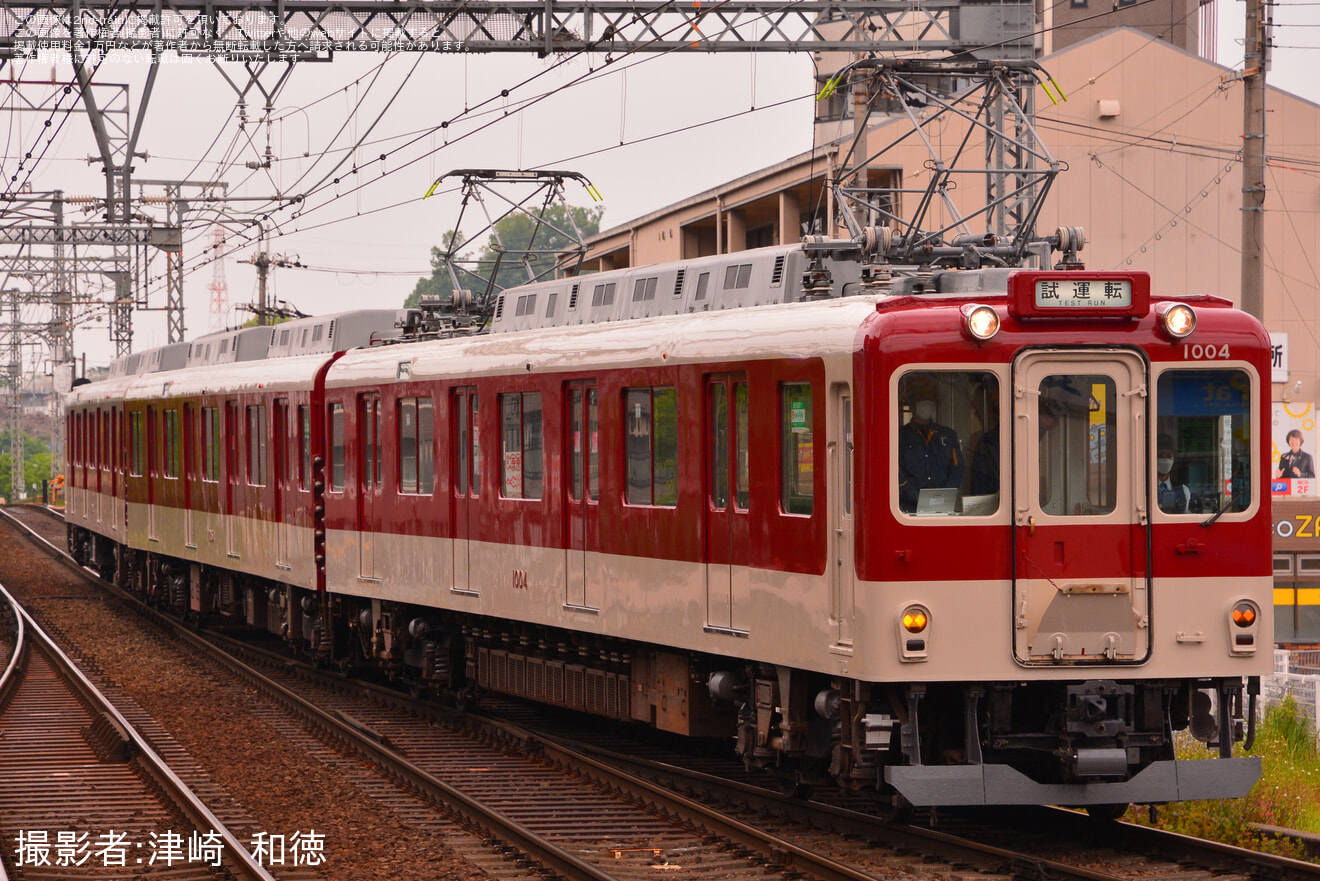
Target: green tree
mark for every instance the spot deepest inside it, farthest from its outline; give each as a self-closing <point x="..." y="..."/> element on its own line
<point x="515" y="232"/>
<point x="36" y="463"/>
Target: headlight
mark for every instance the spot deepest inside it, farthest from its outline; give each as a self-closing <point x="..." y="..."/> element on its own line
<point x="980" y="322"/>
<point x="1178" y="320"/>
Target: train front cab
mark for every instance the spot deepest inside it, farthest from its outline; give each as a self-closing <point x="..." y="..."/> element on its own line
<point x="1098" y="615"/>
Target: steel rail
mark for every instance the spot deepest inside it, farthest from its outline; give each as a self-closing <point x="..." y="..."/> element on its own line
<point x="497" y="823"/>
<point x="238" y="859"/>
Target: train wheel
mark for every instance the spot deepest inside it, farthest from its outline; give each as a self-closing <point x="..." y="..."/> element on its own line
<point x="893" y="808"/>
<point x="792" y="785"/>
<point x="1106" y="813"/>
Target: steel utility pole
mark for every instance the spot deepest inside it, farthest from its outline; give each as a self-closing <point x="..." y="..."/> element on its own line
<point x="1256" y="62"/>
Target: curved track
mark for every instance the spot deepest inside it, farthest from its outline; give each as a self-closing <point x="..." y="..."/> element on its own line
<point x="72" y="767"/>
<point x="556" y="806"/>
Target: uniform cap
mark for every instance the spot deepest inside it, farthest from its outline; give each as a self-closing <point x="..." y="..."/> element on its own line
<point x="921" y="387"/>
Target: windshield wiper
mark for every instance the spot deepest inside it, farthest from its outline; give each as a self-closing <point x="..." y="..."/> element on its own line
<point x="1210" y="521"/>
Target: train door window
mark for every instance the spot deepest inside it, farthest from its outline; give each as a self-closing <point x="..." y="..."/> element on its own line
<point x="153" y="443"/>
<point x="936" y="411"/>
<point x="576" y="457"/>
<point x="304" y="444"/>
<point x="337" y="447"/>
<point x="741" y="438"/>
<point x="406" y="432"/>
<point x="796" y="449"/>
<point x="256" y="445"/>
<point x="521" y="446"/>
<point x="1078" y="418"/>
<point x="1203" y="439"/>
<point x="719" y="446"/>
<point x="369" y="433"/>
<point x="651" y="441"/>
<point x="211" y="444"/>
<point x="170" y="442"/>
<point x="467" y="446"/>
<point x="593" y="445"/>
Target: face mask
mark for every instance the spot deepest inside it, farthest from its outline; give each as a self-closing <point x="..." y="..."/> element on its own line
<point x="924" y="410"/>
<point x="1164" y="465"/>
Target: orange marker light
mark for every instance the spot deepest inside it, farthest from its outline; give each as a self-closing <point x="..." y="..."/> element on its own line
<point x="914" y="620"/>
<point x="1244" y="615"/>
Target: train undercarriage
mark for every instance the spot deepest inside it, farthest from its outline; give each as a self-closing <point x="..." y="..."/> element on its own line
<point x="1093" y="742"/>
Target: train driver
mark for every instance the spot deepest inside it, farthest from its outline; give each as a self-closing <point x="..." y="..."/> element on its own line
<point x="929" y="454"/>
<point x="1173" y="497"/>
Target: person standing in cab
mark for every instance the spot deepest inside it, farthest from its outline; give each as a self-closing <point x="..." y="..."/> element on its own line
<point x="1173" y="497"/>
<point x="929" y="454"/>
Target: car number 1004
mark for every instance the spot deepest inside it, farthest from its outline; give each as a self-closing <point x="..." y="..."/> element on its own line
<point x="1199" y="352"/>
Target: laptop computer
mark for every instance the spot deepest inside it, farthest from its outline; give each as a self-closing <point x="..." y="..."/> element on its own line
<point x="936" y="501"/>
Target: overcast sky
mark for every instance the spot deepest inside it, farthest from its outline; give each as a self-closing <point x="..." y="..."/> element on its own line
<point x="622" y="125"/>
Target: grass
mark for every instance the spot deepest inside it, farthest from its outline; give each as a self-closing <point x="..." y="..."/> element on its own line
<point x="1287" y="795"/>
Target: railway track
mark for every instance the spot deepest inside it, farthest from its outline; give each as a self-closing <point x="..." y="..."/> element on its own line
<point x="69" y="756"/>
<point x="621" y="818"/>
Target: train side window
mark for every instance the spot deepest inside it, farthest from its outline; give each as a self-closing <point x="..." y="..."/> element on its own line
<point x="651" y="440"/>
<point x="942" y="416"/>
<point x="521" y="446"/>
<point x="257" y="445"/>
<point x="416" y="445"/>
<point x="171" y="445"/>
<point x="137" y="445"/>
<point x="1203" y="436"/>
<point x="703" y="282"/>
<point x="211" y="444"/>
<point x="337" y="447"/>
<point x="1308" y="565"/>
<point x="1283" y="564"/>
<point x="796" y="449"/>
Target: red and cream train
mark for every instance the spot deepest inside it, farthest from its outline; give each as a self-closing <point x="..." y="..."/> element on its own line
<point x="674" y="495"/>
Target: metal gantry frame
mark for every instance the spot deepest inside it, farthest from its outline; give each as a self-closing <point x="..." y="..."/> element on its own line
<point x="277" y="30"/>
<point x="267" y="33"/>
<point x="989" y="106"/>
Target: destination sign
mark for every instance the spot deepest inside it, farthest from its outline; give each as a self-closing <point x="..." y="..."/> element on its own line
<point x="1077" y="293"/>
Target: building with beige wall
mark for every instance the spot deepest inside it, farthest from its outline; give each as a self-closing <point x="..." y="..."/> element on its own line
<point x="1150" y="136"/>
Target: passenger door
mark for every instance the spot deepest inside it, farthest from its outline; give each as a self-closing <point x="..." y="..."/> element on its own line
<point x="841" y="542"/>
<point x="1081" y="591"/>
<point x="582" y="494"/>
<point x="188" y="472"/>
<point x="467" y="482"/>
<point x="728" y="578"/>
<point x="369" y="423"/>
<point x="281" y="440"/>
<point x="233" y="449"/>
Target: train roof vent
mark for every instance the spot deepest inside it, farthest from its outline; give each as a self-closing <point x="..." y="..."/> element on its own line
<point x="499" y="306"/>
<point x="777" y="274"/>
<point x="678" y="283"/>
<point x="572" y="297"/>
<point x="330" y="330"/>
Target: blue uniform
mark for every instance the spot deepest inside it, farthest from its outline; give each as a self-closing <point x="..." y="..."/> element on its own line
<point x="929" y="457"/>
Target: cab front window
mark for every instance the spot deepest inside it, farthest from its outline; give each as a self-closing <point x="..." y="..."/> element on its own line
<point x="948" y="451"/>
<point x="1201" y="454"/>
